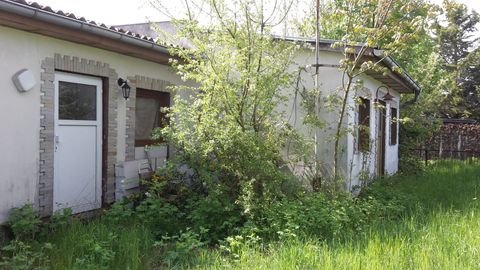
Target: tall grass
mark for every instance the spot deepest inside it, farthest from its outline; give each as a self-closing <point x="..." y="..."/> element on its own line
<point x="443" y="232"/>
<point x="99" y="245"/>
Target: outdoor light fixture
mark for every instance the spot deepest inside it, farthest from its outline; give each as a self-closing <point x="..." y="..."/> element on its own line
<point x="387" y="96"/>
<point x="125" y="88"/>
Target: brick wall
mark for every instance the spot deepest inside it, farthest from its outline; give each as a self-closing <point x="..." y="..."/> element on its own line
<point x="83" y="66"/>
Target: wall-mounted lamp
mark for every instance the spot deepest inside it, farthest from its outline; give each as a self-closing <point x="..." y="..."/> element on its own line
<point x="125" y="88"/>
<point x="387" y="96"/>
<point x="24" y="80"/>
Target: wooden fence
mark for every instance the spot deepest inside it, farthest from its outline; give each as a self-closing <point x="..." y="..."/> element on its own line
<point x="442" y="154"/>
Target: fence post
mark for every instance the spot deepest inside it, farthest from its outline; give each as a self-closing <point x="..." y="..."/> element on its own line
<point x="426" y="157"/>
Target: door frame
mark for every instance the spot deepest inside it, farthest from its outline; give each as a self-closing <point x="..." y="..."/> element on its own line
<point x="381" y="137"/>
<point x="101" y="139"/>
<point x="105" y="108"/>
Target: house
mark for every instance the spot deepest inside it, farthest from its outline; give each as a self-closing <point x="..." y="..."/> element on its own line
<point x="366" y="152"/>
<point x="370" y="147"/>
<point x="71" y="139"/>
<point x="66" y="127"/>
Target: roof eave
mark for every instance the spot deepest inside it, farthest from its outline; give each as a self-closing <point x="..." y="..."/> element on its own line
<point x="326" y="45"/>
<point x="27" y="15"/>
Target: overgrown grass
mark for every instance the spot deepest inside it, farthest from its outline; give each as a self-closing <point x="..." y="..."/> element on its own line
<point x="440" y="229"/>
<point x="441" y="232"/>
<point x="86" y="245"/>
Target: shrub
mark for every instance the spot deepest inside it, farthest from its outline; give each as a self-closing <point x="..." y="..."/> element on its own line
<point x="161" y="217"/>
<point x="18" y="255"/>
<point x="322" y="217"/>
<point x="217" y="214"/>
<point x="178" y="249"/>
<point x="60" y="219"/>
<point x="24" y="222"/>
<point x="98" y="254"/>
<point x="120" y="212"/>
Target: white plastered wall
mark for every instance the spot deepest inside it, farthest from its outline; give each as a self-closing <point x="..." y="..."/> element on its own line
<point x="20" y="121"/>
<point x="330" y="81"/>
<point x="352" y="163"/>
<point x="365" y="163"/>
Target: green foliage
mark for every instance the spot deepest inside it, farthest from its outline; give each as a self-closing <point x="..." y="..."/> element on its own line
<point x="98" y="254"/>
<point x="227" y="128"/>
<point x="216" y="214"/>
<point x="234" y="246"/>
<point x="455" y="37"/>
<point x="18" y="255"/>
<point x="358" y="26"/>
<point x="438" y="229"/>
<point x="120" y="212"/>
<point x="161" y="217"/>
<point x="179" y="249"/>
<point x="321" y="217"/>
<point x="60" y="219"/>
<point x="429" y="215"/>
<point x="390" y="25"/>
<point x="166" y="212"/>
<point x="24" y="222"/>
<point x="413" y="132"/>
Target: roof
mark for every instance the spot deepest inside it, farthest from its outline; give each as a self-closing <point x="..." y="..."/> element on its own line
<point x="127" y="40"/>
<point x="401" y="82"/>
<point x="35" y="18"/>
<point x="160" y="31"/>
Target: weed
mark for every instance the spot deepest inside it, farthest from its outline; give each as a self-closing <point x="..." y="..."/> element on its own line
<point x="24" y="222"/>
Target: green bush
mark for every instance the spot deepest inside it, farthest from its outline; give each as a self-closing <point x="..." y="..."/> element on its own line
<point x="179" y="249"/>
<point x="121" y="212"/>
<point x="59" y="220"/>
<point x="24" y="222"/>
<point x="18" y="255"/>
<point x="217" y="214"/>
<point x="161" y="217"/>
<point x="316" y="215"/>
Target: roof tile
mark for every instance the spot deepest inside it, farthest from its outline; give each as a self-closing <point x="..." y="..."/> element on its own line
<point x="74" y="17"/>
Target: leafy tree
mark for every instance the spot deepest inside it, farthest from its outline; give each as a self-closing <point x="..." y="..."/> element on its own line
<point x="229" y="129"/>
<point x="455" y="38"/>
<point x="387" y="24"/>
<point x="469" y="82"/>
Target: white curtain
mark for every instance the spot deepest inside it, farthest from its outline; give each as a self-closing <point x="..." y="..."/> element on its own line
<point x="147" y="115"/>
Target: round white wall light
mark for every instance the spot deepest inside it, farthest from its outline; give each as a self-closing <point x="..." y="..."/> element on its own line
<point x="24" y="80"/>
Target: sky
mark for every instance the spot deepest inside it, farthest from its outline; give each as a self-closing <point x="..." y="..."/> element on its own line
<point x="110" y="12"/>
<point x="116" y="12"/>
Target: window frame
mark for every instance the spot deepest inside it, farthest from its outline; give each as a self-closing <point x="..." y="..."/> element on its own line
<point x="393" y="126"/>
<point x="164" y="99"/>
<point x="363" y="134"/>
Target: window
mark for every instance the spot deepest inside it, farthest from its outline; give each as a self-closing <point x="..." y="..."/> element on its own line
<point x="149" y="115"/>
<point x="77" y="101"/>
<point x="364" y="125"/>
<point x="393" y="126"/>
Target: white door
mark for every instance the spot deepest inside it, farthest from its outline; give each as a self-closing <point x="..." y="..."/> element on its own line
<point x="78" y="142"/>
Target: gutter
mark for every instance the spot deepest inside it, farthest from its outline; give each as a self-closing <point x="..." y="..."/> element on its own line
<point x="78" y="25"/>
<point x="391" y="63"/>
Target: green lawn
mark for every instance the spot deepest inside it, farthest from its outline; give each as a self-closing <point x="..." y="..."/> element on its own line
<point x="441" y="231"/>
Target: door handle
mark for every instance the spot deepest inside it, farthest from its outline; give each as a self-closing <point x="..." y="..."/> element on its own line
<point x="57" y="142"/>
